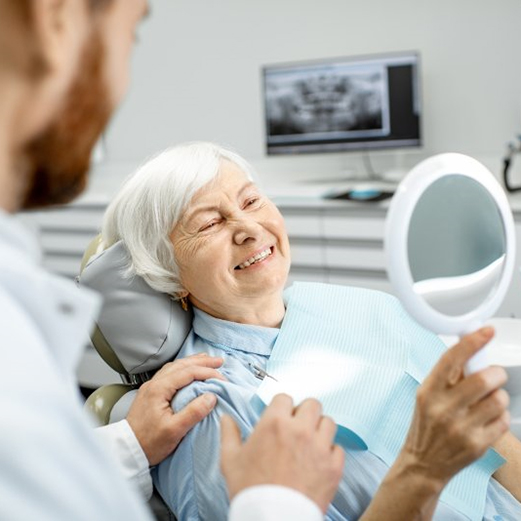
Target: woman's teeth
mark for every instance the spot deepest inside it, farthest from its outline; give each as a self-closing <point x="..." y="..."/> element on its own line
<point x="256" y="258"/>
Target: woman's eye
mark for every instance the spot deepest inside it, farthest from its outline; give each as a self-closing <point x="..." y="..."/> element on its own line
<point x="252" y="201"/>
<point x="209" y="225"/>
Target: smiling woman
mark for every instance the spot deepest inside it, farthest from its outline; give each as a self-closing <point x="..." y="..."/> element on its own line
<point x="232" y="250"/>
<point x="196" y="226"/>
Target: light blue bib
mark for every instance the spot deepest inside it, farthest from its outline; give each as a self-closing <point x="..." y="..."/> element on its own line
<point x="363" y="357"/>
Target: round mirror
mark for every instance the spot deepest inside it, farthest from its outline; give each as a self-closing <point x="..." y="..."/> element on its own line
<point x="450" y="245"/>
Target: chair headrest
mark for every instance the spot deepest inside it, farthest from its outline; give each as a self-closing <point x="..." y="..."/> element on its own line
<point x="144" y="328"/>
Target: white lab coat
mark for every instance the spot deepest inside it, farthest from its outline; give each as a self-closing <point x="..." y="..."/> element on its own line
<point x="262" y="503"/>
<point x="52" y="467"/>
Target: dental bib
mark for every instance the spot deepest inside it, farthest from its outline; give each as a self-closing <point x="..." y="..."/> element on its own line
<point x="363" y="357"/>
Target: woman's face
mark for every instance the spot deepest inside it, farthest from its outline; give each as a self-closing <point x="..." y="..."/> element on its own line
<point x="231" y="245"/>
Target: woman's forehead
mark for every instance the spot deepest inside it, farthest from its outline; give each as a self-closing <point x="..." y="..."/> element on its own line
<point x="227" y="186"/>
<point x="229" y="182"/>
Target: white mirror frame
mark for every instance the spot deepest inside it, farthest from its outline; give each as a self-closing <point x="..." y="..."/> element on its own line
<point x="396" y="251"/>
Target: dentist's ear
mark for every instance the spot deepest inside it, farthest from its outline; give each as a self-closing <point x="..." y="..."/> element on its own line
<point x="61" y="27"/>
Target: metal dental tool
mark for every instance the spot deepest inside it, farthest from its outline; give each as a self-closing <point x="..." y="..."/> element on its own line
<point x="260" y="373"/>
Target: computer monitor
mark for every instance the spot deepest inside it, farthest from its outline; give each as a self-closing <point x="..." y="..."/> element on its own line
<point x="358" y="103"/>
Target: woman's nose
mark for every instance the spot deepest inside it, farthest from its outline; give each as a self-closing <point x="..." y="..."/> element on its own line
<point x="246" y="230"/>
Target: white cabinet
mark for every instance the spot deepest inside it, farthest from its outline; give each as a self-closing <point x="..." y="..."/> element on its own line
<point x="65" y="232"/>
<point x="336" y="241"/>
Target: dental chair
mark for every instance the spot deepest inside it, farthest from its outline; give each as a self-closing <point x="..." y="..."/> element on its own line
<point x="139" y="329"/>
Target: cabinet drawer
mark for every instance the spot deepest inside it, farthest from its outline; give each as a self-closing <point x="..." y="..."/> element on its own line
<point x="298" y="274"/>
<point x="303" y="225"/>
<point x="380" y="283"/>
<point x="68" y="242"/>
<point x="70" y="219"/>
<point x="355" y="256"/>
<point x="361" y="228"/>
<point x="307" y="254"/>
<point x="68" y="266"/>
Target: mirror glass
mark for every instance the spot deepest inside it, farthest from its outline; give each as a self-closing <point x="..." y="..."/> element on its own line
<point x="456" y="245"/>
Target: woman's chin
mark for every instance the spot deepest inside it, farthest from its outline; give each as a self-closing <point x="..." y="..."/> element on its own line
<point x="257" y="286"/>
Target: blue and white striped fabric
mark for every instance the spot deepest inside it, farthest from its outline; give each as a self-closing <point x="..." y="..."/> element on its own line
<point x="364" y="363"/>
<point x="190" y="480"/>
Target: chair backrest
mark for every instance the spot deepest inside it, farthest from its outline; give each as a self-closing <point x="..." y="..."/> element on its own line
<point x="139" y="329"/>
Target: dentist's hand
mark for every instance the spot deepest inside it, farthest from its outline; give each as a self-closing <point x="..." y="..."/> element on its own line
<point x="157" y="428"/>
<point x="457" y="418"/>
<point x="289" y="447"/>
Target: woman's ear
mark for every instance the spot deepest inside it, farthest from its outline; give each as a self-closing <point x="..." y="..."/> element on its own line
<point x="183" y="299"/>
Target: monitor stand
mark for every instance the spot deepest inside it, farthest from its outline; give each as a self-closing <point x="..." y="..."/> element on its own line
<point x="372" y="186"/>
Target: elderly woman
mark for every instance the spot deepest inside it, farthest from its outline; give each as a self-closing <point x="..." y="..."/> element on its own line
<point x="198" y="227"/>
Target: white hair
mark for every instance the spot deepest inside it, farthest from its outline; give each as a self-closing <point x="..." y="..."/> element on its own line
<point x="153" y="199"/>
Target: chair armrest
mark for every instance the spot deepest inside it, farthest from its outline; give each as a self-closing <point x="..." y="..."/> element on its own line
<point x="103" y="399"/>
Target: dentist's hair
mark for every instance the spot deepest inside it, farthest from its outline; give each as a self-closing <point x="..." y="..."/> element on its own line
<point x="153" y="199"/>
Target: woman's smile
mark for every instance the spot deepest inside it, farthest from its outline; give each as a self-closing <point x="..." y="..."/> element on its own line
<point x="257" y="258"/>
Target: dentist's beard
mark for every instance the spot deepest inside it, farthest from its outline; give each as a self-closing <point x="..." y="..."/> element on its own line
<point x="57" y="162"/>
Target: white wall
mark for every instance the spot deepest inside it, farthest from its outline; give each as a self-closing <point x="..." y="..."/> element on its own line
<point x="196" y="75"/>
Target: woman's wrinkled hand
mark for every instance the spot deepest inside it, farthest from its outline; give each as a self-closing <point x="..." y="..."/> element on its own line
<point x="456" y="417"/>
<point x="292" y="447"/>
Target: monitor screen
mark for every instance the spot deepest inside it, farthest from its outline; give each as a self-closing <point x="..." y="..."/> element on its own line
<point x="343" y="104"/>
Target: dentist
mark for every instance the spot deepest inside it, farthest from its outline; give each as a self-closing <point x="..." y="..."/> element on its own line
<point x="63" y="70"/>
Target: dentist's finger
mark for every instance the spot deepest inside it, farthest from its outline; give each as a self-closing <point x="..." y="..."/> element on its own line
<point x="280" y="407"/>
<point x="200" y="360"/>
<point x="193" y="413"/>
<point x="309" y="412"/>
<point x="230" y="439"/>
<point x="185" y="376"/>
<point x="327" y="429"/>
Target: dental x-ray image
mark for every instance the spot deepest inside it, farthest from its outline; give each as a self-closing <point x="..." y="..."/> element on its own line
<point x="337" y="101"/>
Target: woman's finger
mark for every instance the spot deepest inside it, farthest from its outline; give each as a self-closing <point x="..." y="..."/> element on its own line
<point x="489" y="409"/>
<point x="497" y="428"/>
<point x="475" y="387"/>
<point x="453" y="361"/>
